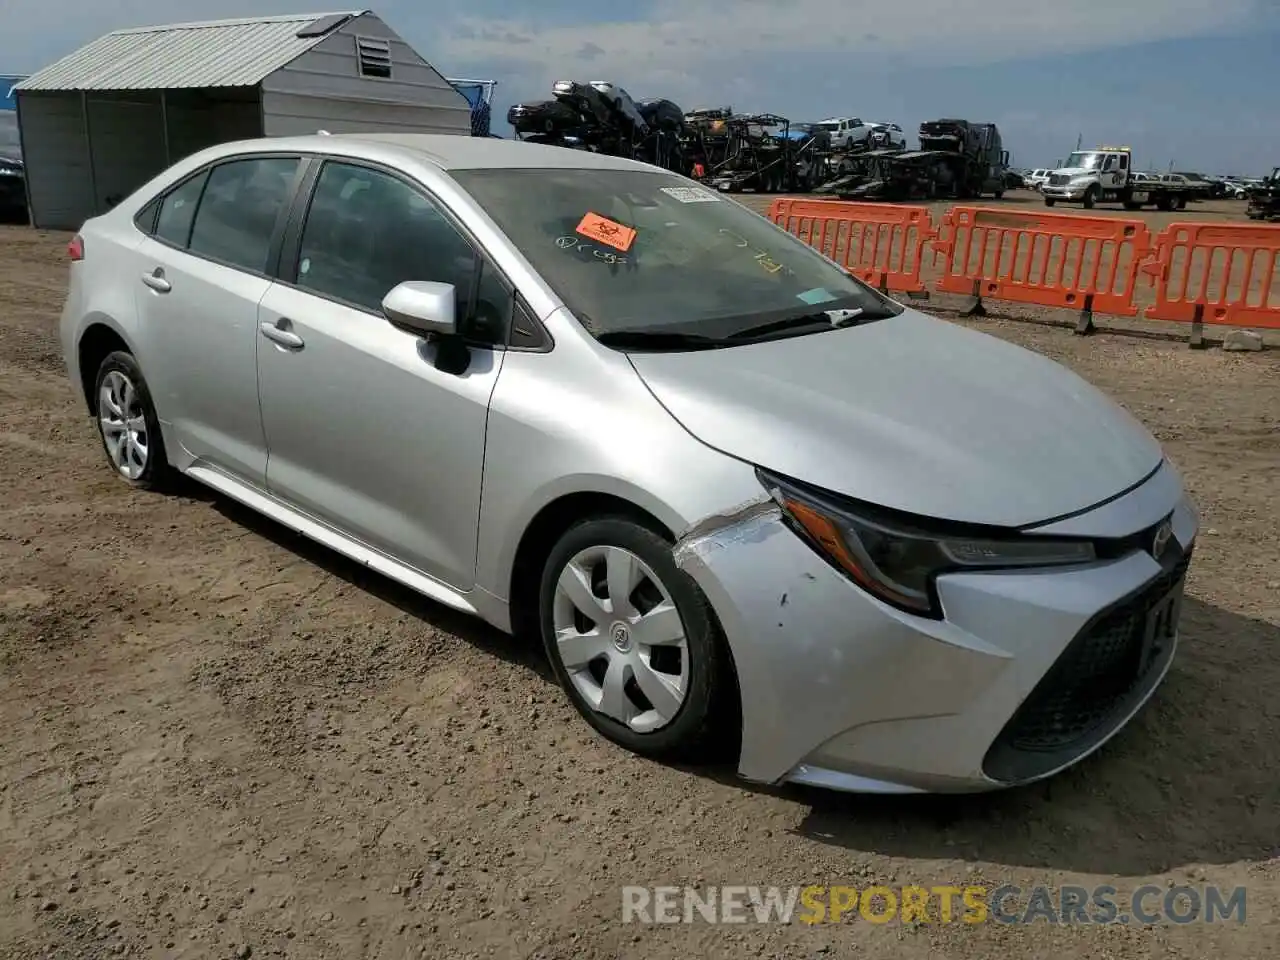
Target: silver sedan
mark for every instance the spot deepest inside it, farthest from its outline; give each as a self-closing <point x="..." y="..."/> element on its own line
<point x="749" y="505"/>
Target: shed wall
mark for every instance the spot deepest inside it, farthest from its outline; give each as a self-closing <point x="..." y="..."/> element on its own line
<point x="56" y="153"/>
<point x="323" y="89"/>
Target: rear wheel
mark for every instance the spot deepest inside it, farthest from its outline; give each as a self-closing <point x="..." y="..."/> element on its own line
<point x="128" y="424"/>
<point x="632" y="640"/>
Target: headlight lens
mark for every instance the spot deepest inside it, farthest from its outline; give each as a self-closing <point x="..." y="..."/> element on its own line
<point x="897" y="561"/>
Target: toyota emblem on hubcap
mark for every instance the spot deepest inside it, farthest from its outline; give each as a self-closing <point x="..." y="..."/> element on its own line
<point x="1164" y="533"/>
<point x="621" y="637"/>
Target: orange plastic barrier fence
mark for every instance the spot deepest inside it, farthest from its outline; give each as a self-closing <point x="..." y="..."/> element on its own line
<point x="1053" y="260"/>
<point x="1219" y="273"/>
<point x="881" y="244"/>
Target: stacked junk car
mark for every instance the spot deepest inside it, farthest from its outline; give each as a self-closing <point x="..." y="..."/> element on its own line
<point x="603" y="118"/>
<point x="765" y="152"/>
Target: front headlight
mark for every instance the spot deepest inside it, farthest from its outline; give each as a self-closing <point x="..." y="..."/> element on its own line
<point x="898" y="560"/>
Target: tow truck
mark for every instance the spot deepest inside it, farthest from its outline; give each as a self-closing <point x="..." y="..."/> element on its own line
<point x="1106" y="175"/>
<point x="1264" y="198"/>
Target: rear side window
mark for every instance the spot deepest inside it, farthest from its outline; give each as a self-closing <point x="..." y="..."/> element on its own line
<point x="177" y="210"/>
<point x="237" y="215"/>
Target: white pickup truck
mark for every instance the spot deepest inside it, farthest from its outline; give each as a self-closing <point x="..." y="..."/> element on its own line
<point x="1106" y="175"/>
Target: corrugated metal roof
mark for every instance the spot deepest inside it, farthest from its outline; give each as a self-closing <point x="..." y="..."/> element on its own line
<point x="215" y="53"/>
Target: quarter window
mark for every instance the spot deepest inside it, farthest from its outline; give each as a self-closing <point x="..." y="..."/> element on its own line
<point x="237" y="216"/>
<point x="367" y="231"/>
<point x="178" y="210"/>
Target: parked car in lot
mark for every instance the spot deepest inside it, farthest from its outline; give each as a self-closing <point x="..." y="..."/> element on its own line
<point x="1036" y="179"/>
<point x="13" y="190"/>
<point x="746" y="501"/>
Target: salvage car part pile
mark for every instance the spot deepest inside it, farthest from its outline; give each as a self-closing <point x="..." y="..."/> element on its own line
<point x="763" y="152"/>
<point x="603" y="118"/>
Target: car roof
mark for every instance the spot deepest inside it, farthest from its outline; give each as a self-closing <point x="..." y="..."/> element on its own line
<point x="446" y="151"/>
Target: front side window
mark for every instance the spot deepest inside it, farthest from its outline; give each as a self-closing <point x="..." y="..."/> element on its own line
<point x="368" y="231"/>
<point x="631" y="250"/>
<point x="178" y="212"/>
<point x="239" y="209"/>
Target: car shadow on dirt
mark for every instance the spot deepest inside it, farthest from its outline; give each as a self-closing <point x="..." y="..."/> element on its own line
<point x="1189" y="781"/>
<point x="473" y="630"/>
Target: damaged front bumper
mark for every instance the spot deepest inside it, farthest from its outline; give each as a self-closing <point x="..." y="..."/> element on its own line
<point x="842" y="691"/>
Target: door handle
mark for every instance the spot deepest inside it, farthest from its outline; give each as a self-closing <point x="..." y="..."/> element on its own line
<point x="286" y="338"/>
<point x="156" y="281"/>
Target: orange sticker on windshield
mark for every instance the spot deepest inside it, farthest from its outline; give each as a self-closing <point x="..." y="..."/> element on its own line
<point x="603" y="230"/>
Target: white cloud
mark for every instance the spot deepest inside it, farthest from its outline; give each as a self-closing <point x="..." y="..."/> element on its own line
<point x="684" y="38"/>
<point x="679" y="39"/>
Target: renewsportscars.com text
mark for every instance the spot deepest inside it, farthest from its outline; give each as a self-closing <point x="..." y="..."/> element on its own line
<point x="973" y="904"/>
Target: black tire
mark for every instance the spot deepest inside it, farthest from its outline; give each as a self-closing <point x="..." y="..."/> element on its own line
<point x="1090" y="197"/>
<point x="156" y="474"/>
<point x="699" y="731"/>
<point x="1049" y="201"/>
<point x="999" y="194"/>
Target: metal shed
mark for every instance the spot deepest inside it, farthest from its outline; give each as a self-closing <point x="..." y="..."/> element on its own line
<point x="99" y="123"/>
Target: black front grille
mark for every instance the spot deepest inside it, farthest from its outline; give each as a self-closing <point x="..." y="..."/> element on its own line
<point x="1059" y="179"/>
<point x="1090" y="688"/>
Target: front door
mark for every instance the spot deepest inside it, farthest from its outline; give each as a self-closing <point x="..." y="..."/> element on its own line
<point x="363" y="431"/>
<point x="200" y="277"/>
<point x="1114" y="172"/>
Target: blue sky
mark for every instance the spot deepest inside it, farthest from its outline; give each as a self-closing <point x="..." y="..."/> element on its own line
<point x="1188" y="81"/>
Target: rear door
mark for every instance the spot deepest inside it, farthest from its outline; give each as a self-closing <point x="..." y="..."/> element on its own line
<point x="364" y="431"/>
<point x="202" y="271"/>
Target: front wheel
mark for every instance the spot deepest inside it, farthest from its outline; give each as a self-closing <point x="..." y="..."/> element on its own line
<point x="632" y="641"/>
<point x="1049" y="201"/>
<point x="1090" y="198"/>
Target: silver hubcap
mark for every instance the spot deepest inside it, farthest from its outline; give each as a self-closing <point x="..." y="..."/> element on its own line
<point x="124" y="427"/>
<point x="620" y="638"/>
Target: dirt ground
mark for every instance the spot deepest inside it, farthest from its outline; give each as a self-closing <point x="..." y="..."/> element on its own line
<point x="221" y="741"/>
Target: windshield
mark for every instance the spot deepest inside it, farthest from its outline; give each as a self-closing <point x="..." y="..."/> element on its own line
<point x="829" y="126"/>
<point x="1085" y="161"/>
<point x="637" y="250"/>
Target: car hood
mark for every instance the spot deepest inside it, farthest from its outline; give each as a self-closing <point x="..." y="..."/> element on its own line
<point x="914" y="414"/>
<point x="1071" y="172"/>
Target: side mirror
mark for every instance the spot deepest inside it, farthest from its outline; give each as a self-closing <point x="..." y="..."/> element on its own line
<point x="422" y="307"/>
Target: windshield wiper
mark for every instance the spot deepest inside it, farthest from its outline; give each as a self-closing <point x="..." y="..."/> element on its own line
<point x="660" y="340"/>
<point x="831" y="319"/>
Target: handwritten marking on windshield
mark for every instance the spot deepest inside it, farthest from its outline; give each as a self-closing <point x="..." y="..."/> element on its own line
<point x="761" y="257"/>
<point x="770" y="265"/>
<point x="576" y="245"/>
